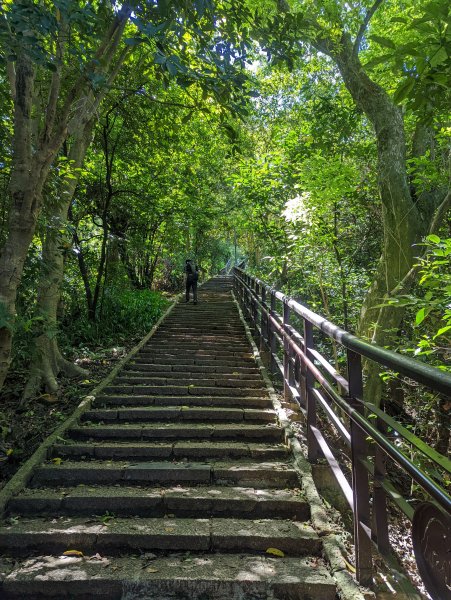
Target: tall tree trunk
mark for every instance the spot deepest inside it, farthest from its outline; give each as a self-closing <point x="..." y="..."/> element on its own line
<point x="32" y="158"/>
<point x="47" y="361"/>
<point x="24" y="191"/>
<point x="403" y="225"/>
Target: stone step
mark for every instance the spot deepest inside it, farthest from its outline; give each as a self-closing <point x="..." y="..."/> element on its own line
<point x="181" y="501"/>
<point x="174" y="335"/>
<point x="242" y="473"/>
<point x="188" y="369"/>
<point x="197" y="577"/>
<point x="120" y="535"/>
<point x="187" y="375"/>
<point x="198" y="360"/>
<point x="226" y="401"/>
<point x="178" y="390"/>
<point x="196" y="380"/>
<point x="180" y="413"/>
<point x="182" y="431"/>
<point x="185" y="329"/>
<point x="197" y="351"/>
<point x="168" y="450"/>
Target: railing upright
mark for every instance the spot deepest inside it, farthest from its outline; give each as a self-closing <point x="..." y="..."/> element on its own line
<point x="272" y="333"/>
<point x="380" y="519"/>
<point x="255" y="310"/>
<point x="287" y="369"/>
<point x="263" y="321"/>
<point x="310" y="400"/>
<point x="360" y="480"/>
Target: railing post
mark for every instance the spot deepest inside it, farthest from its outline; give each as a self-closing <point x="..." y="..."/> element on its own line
<point x="380" y="518"/>
<point x="287" y="370"/>
<point x="360" y="483"/>
<point x="313" y="452"/>
<point x="272" y="335"/>
<point x="263" y="323"/>
<point x="246" y="296"/>
<point x="255" y="310"/>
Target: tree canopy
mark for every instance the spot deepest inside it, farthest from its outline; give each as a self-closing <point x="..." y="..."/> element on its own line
<point x="309" y="137"/>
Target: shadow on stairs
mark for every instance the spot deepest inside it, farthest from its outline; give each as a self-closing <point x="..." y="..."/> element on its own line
<point x="175" y="484"/>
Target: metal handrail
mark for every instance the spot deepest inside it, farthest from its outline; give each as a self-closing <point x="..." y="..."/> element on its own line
<point x="272" y="329"/>
<point x="425" y="374"/>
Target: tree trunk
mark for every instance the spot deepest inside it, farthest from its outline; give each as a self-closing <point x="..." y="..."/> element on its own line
<point x="32" y="159"/>
<point x="25" y="192"/>
<point x="47" y="361"/>
<point x="402" y="223"/>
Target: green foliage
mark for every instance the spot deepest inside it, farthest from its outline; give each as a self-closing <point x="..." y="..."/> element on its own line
<point x="125" y="315"/>
<point x="430" y="303"/>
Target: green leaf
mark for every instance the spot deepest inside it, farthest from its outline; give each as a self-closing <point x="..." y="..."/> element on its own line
<point x="420" y="316"/>
<point x="378" y="60"/>
<point x="442" y="331"/>
<point x="133" y="41"/>
<point x="433" y="238"/>
<point x="440" y="57"/>
<point x="383" y="41"/>
<point x="404" y="90"/>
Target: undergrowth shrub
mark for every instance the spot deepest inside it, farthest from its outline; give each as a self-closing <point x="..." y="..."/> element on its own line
<point x="123" y="315"/>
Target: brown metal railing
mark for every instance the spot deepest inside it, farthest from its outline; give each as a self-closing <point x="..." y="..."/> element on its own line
<point x="316" y="385"/>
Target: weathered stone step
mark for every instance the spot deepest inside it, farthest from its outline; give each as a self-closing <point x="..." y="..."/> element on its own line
<point x="183" y="431"/>
<point x="179" y="390"/>
<point x="174" y="334"/>
<point x="197" y="319"/>
<point x="199" y="501"/>
<point x="187" y="369"/>
<point x="243" y="473"/>
<point x="196" y="380"/>
<point x="180" y="413"/>
<point x="196" y="351"/>
<point x="198" y="360"/>
<point x="168" y="450"/>
<point x="202" y="328"/>
<point x="226" y="401"/>
<point x="119" y="535"/>
<point x="197" y="577"/>
<point x="187" y="375"/>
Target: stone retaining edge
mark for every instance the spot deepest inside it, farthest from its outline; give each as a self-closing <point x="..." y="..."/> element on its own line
<point x="348" y="588"/>
<point x="21" y="478"/>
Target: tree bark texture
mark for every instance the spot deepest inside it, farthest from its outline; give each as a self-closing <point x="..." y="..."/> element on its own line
<point x="404" y="225"/>
<point x="47" y="362"/>
<point x="32" y="159"/>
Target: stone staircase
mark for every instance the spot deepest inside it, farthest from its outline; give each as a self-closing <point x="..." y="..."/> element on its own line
<point x="174" y="485"/>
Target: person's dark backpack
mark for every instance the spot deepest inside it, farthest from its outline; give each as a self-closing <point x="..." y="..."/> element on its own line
<point x="192" y="272"/>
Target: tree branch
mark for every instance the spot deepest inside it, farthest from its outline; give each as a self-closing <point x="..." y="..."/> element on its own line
<point x="364" y="25"/>
<point x="435" y="224"/>
<point x="55" y="84"/>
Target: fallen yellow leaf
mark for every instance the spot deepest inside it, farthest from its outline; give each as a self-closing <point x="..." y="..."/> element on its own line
<point x="57" y="461"/>
<point x="73" y="553"/>
<point x="275" y="552"/>
<point x="151" y="570"/>
<point x="349" y="566"/>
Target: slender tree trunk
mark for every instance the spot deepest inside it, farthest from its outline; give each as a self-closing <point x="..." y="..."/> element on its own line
<point x="47" y="361"/>
<point x="85" y="276"/>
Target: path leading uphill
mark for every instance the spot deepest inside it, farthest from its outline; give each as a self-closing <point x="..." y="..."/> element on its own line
<point x="173" y="485"/>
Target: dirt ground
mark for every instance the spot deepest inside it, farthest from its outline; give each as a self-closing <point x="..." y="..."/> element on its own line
<point x="24" y="427"/>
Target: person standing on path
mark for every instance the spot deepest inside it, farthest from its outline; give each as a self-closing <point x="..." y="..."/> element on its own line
<point x="192" y="275"/>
